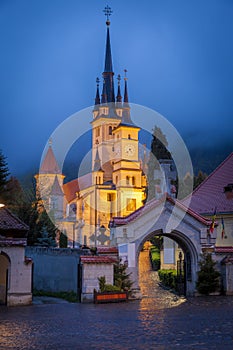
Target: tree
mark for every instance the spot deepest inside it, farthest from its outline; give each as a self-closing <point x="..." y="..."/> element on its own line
<point x="208" y="276"/>
<point x="158" y="152"/>
<point x="199" y="178"/>
<point x="122" y="278"/>
<point x="63" y="240"/>
<point x="4" y="173"/>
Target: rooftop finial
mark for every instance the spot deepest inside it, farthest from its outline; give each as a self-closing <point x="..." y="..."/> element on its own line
<point x="119" y="79"/>
<point x="125" y="78"/>
<point x="107" y="11"/>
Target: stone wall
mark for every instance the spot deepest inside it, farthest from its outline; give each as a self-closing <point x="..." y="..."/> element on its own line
<point x="19" y="276"/>
<point x="54" y="269"/>
<point x="90" y="274"/>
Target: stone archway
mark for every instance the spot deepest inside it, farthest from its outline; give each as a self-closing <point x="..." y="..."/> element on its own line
<point x="4" y="276"/>
<point x="167" y="217"/>
<point x="190" y="255"/>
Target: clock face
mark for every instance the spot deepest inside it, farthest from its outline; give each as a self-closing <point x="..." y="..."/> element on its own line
<point x="130" y="149"/>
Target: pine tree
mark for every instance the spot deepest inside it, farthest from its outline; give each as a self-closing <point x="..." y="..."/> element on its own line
<point x="208" y="276"/>
<point x="122" y="278"/>
<point x="4" y="173"/>
<point x="63" y="240"/>
<point x="199" y="178"/>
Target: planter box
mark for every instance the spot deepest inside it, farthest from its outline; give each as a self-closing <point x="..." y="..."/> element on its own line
<point x="110" y="297"/>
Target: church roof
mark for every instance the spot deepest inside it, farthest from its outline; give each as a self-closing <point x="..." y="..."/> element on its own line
<point x="10" y="222"/>
<point x="49" y="164"/>
<point x="71" y="188"/>
<point x="210" y="194"/>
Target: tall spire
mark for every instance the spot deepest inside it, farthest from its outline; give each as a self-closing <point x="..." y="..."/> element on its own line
<point x="108" y="66"/>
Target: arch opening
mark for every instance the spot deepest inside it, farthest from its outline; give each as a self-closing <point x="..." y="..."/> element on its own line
<point x="177" y="252"/>
<point x="4" y="277"/>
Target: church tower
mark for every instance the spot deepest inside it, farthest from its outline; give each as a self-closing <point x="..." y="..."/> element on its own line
<point x="49" y="185"/>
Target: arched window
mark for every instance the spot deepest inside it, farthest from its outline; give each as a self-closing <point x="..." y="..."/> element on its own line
<point x="127" y="180"/>
<point x="110" y="130"/>
<point x="133" y="181"/>
<point x="129" y="136"/>
<point x="99" y="180"/>
<point x="96" y="179"/>
<point x="116" y="180"/>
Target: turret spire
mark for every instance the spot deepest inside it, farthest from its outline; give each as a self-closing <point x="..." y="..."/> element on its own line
<point x="97" y="162"/>
<point x="119" y="97"/>
<point x="126" y="97"/>
<point x="97" y="97"/>
<point x="104" y="93"/>
<point x="126" y="118"/>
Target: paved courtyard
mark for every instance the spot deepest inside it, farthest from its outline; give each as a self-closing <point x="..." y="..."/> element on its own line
<point x="159" y="321"/>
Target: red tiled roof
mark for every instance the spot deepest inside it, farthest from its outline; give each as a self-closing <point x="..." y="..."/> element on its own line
<point x="227" y="259"/>
<point x="153" y="204"/>
<point x="95" y="259"/>
<point x="107" y="250"/>
<point x="9" y="221"/>
<point x="49" y="164"/>
<point x="70" y="189"/>
<point x="76" y="185"/>
<point x="226" y="249"/>
<point x="210" y="193"/>
<point x="9" y="242"/>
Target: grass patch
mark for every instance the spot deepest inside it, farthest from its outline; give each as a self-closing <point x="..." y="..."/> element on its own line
<point x="72" y="297"/>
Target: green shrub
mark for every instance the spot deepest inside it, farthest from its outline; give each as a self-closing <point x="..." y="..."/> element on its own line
<point x="111" y="288"/>
<point x="102" y="283"/>
<point x="155" y="257"/>
<point x="168" y="278"/>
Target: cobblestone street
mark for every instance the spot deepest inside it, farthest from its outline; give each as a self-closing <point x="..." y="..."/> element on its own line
<point x="159" y="321"/>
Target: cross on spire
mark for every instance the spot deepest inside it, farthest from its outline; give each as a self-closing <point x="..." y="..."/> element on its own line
<point x="107" y="11"/>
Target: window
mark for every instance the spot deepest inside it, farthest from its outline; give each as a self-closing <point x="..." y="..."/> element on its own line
<point x="116" y="179"/>
<point x="133" y="181"/>
<point x="110" y="130"/>
<point x="109" y="197"/>
<point x="127" y="180"/>
<point x="97" y="132"/>
<point x="131" y="204"/>
<point x="129" y="136"/>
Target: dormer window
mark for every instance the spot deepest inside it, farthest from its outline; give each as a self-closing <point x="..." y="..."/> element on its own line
<point x="228" y="190"/>
<point x="104" y="110"/>
<point x="119" y="112"/>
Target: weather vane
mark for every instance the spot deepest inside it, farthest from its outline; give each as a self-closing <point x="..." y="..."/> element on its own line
<point x="107" y="11"/>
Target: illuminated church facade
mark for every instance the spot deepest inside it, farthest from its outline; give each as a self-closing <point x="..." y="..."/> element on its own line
<point x="116" y="186"/>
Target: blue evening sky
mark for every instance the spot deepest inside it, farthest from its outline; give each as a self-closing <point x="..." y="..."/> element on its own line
<point x="178" y="53"/>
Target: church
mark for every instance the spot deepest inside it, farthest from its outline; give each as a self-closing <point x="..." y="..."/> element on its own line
<point x="116" y="186"/>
